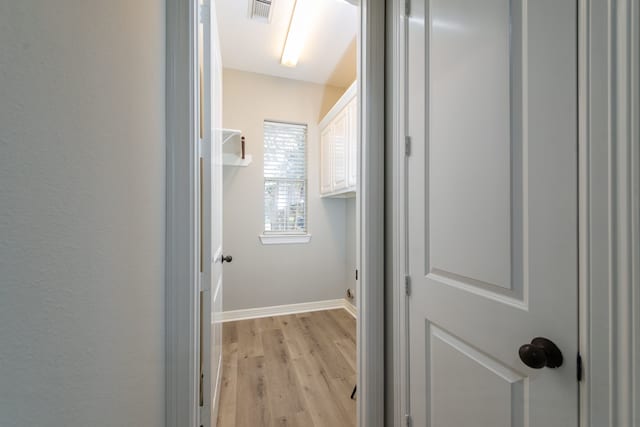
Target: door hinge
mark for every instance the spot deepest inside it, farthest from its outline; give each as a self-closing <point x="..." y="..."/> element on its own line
<point x="408" y="421"/>
<point x="201" y="416"/>
<point x="407" y="145"/>
<point x="356" y="274"/>
<point x="407" y="285"/>
<point x="407" y="8"/>
<point x="579" y="368"/>
<point x="201" y="389"/>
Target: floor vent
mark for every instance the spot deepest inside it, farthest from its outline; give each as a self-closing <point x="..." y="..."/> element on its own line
<point x="261" y="10"/>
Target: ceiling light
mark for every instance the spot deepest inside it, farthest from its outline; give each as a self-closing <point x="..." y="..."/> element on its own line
<point x="298" y="31"/>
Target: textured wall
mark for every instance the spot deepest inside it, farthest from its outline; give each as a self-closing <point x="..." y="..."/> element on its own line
<point x="260" y="275"/>
<point x="82" y="213"/>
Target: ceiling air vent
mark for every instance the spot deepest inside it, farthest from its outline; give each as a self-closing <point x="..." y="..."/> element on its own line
<point x="261" y="10"/>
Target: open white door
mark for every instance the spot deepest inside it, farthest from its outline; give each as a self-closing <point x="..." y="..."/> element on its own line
<point x="211" y="217"/>
<point x="492" y="212"/>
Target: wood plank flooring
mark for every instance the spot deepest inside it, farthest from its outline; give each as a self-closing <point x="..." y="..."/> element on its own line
<point x="294" y="370"/>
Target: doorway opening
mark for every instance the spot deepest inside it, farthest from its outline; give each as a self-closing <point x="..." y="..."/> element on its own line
<point x="279" y="124"/>
<point x="195" y="174"/>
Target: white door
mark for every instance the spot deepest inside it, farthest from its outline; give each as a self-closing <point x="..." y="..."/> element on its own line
<point x="211" y="219"/>
<point x="492" y="212"/>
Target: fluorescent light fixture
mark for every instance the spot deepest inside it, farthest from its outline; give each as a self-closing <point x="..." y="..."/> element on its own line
<point x="298" y="31"/>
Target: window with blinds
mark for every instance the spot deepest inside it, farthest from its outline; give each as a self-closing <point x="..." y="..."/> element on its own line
<point x="285" y="178"/>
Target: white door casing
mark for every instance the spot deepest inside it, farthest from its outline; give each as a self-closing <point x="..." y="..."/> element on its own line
<point x="610" y="212"/>
<point x="492" y="210"/>
<point x="211" y="220"/>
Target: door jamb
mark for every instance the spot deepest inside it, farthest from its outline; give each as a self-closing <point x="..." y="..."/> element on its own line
<point x="397" y="120"/>
<point x="181" y="268"/>
<point x="609" y="194"/>
<point x="181" y="251"/>
<point x="370" y="211"/>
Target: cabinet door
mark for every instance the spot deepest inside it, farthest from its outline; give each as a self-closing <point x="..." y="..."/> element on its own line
<point x="325" y="160"/>
<point x="339" y="138"/>
<point x="352" y="144"/>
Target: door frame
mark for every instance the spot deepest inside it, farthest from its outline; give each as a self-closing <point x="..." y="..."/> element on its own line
<point x="397" y="247"/>
<point x="608" y="210"/>
<point x="181" y="227"/>
<point x="181" y="243"/>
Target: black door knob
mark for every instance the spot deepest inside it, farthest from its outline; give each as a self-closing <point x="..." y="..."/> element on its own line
<point x="541" y="353"/>
<point x="227" y="258"/>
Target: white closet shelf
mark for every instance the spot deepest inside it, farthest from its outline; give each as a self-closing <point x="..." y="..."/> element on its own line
<point x="230" y="134"/>
<point x="341" y="194"/>
<point x="229" y="159"/>
<point x="232" y="143"/>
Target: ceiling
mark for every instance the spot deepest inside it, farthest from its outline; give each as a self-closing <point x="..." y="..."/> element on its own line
<point x="329" y="54"/>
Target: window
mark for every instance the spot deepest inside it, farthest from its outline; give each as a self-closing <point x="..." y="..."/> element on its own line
<point x="285" y="179"/>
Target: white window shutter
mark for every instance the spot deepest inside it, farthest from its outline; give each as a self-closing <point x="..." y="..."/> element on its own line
<point x="285" y="178"/>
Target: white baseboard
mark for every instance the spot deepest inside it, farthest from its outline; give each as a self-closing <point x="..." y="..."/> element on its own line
<point x="351" y="309"/>
<point x="281" y="310"/>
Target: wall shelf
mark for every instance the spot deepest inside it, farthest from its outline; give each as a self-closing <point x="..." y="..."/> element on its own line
<point x="230" y="134"/>
<point x="229" y="159"/>
<point x="342" y="194"/>
<point x="232" y="149"/>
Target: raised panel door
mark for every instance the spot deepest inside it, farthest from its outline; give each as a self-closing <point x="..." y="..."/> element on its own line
<point x="492" y="211"/>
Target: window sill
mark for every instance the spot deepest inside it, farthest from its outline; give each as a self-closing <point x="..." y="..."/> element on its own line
<point x="284" y="239"/>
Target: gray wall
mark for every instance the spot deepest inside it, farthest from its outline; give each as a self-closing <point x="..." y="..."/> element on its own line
<point x="350" y="281"/>
<point x="262" y="276"/>
<point x="82" y="213"/>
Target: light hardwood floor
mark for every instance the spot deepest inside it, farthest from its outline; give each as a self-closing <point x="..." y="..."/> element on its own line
<point x="295" y="370"/>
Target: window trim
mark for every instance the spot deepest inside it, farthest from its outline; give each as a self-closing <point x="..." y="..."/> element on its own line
<point x="282" y="238"/>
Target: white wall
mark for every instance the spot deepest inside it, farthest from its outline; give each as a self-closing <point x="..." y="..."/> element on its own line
<point x="260" y="275"/>
<point x="82" y="213"/>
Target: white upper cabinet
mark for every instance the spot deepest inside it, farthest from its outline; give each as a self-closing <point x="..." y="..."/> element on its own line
<point x="339" y="147"/>
<point x="352" y="155"/>
<point x="325" y="160"/>
<point x="340" y="134"/>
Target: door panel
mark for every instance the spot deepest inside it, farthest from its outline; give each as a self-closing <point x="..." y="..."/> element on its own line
<point x="498" y="402"/>
<point x="326" y="174"/>
<point x="492" y="210"/>
<point x="340" y="133"/>
<point x="470" y="144"/>
<point x="352" y="145"/>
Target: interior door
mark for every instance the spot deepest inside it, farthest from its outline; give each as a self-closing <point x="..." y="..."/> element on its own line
<point x="492" y="212"/>
<point x="211" y="217"/>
